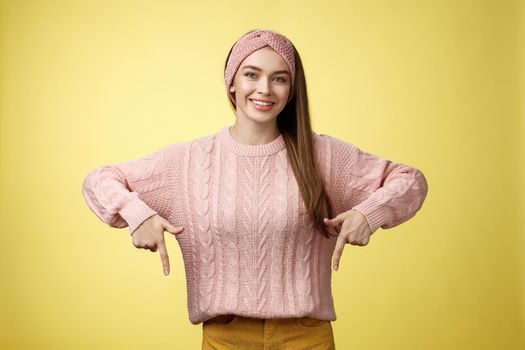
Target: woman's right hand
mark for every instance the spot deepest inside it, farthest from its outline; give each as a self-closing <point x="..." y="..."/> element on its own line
<point x="150" y="235"/>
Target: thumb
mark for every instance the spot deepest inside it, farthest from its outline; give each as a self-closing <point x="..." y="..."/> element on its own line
<point x="338" y="220"/>
<point x="172" y="229"/>
<point x="335" y="222"/>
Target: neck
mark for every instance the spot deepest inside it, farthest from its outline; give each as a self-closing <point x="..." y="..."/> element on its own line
<point x="254" y="134"/>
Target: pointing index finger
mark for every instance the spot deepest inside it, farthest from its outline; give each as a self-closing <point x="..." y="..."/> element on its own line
<point x="164" y="258"/>
<point x="338" y="251"/>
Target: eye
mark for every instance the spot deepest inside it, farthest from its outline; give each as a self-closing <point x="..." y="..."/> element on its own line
<point x="253" y="75"/>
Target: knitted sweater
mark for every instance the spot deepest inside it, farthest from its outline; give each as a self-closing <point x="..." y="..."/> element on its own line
<point x="248" y="248"/>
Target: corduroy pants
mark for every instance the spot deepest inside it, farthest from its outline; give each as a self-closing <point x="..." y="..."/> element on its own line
<point x="232" y="332"/>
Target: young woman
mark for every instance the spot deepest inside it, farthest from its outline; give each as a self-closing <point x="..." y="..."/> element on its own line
<point x="258" y="208"/>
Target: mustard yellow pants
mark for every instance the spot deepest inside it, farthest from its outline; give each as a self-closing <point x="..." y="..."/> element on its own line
<point x="227" y="332"/>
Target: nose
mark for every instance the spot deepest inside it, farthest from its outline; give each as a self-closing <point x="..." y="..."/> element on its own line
<point x="263" y="87"/>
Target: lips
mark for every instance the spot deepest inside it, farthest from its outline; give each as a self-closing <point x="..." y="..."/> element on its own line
<point x="262" y="107"/>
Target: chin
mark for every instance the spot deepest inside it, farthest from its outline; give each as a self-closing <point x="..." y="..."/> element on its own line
<point x="259" y="116"/>
<point x="264" y="120"/>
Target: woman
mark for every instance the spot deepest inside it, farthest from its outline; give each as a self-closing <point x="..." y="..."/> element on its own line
<point x="259" y="208"/>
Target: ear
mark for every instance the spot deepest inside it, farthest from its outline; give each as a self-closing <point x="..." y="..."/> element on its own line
<point x="232" y="88"/>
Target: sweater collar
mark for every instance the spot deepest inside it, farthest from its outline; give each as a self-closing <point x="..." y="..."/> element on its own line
<point x="249" y="150"/>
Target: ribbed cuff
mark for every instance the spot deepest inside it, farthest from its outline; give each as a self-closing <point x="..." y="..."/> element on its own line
<point x="376" y="213"/>
<point x="135" y="212"/>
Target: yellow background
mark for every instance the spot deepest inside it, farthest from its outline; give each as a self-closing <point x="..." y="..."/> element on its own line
<point x="435" y="84"/>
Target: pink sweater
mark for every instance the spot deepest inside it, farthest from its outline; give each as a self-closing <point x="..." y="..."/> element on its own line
<point x="247" y="247"/>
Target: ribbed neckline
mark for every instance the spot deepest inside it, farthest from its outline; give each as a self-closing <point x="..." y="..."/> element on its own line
<point x="249" y="150"/>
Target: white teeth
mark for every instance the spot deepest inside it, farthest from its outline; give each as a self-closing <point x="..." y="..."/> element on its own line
<point x="261" y="103"/>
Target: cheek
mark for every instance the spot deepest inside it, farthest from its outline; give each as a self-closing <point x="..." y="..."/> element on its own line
<point x="245" y="86"/>
<point x="284" y="91"/>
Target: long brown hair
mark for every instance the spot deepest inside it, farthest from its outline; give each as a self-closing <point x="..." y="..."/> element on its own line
<point x="294" y="124"/>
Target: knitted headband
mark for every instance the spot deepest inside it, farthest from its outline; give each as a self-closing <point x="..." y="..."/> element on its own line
<point x="252" y="42"/>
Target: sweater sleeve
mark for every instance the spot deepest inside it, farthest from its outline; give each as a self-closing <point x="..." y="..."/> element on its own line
<point x="120" y="193"/>
<point x="385" y="192"/>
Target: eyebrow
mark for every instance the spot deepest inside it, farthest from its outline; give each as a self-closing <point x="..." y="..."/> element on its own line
<point x="259" y="69"/>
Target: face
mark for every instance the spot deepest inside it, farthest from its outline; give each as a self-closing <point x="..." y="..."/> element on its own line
<point x="262" y="76"/>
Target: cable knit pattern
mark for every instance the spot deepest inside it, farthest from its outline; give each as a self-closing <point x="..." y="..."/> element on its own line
<point x="201" y="189"/>
<point x="323" y="152"/>
<point x="248" y="246"/>
<point x="280" y="216"/>
<point x="231" y="237"/>
<point x="248" y="220"/>
<point x="303" y="264"/>
<point x="262" y="234"/>
<point x="216" y="229"/>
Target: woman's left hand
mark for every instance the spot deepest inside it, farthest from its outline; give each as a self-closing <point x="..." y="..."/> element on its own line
<point x="352" y="227"/>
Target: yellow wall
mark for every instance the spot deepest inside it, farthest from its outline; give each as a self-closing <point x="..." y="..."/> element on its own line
<point x="435" y="84"/>
<point x="520" y="188"/>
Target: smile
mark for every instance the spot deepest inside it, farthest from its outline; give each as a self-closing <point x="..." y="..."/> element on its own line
<point x="261" y="105"/>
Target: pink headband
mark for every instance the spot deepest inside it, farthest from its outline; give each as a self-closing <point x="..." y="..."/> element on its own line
<point x="252" y="42"/>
